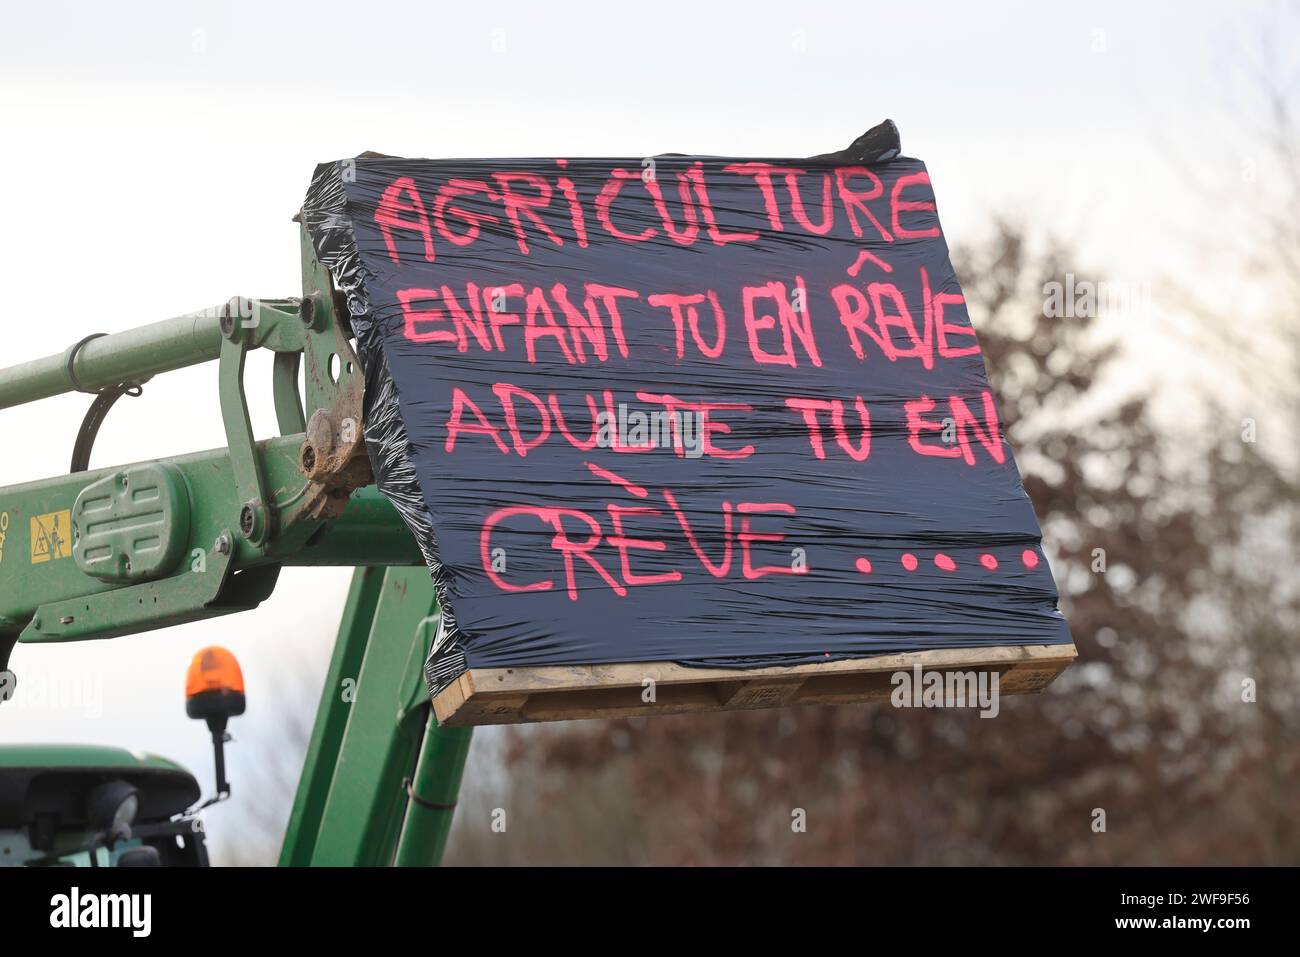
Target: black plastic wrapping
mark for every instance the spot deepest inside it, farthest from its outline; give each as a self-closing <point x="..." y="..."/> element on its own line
<point x="825" y="478"/>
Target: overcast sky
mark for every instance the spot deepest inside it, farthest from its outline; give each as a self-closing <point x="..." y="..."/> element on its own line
<point x="155" y="152"/>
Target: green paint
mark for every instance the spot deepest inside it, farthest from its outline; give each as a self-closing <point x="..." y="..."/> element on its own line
<point x="362" y="816"/>
<point x="227" y="520"/>
<point x="436" y="785"/>
<point x="337" y="695"/>
<point x="81" y="756"/>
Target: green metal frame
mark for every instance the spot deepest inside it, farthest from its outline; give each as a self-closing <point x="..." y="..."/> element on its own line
<point x="379" y="783"/>
<point x="365" y="797"/>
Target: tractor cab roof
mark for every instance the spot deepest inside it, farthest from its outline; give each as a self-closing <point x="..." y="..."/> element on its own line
<point x="37" y="779"/>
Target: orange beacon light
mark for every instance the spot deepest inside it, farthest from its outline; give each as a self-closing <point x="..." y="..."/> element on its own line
<point x="213" y="669"/>
<point x="214" y="691"/>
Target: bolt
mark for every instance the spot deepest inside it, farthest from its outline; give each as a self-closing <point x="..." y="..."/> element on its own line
<point x="222" y="545"/>
<point x="66" y="620"/>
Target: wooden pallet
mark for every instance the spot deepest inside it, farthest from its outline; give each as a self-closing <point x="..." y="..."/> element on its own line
<point x="569" y="692"/>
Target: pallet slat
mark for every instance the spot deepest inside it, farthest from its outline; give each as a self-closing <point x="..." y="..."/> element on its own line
<point x="572" y="692"/>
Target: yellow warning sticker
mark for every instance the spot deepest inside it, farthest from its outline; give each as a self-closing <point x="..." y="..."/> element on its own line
<point x="51" y="536"/>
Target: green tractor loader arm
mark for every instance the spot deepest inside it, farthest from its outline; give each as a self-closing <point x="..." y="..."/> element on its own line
<point x="120" y="550"/>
